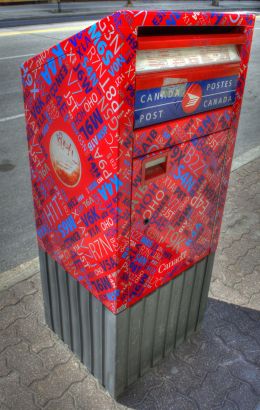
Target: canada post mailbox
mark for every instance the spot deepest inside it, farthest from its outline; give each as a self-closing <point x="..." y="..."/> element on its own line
<point x="131" y="127"/>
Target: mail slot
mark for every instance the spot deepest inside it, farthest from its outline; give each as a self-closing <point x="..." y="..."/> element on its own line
<point x="131" y="126"/>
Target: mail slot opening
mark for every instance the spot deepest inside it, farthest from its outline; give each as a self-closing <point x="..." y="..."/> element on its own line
<point x="155" y="168"/>
<point x="152" y="31"/>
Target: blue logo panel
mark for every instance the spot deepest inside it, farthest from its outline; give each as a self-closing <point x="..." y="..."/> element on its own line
<point x="157" y="105"/>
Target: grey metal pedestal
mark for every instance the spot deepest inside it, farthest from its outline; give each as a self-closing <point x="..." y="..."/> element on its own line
<point x="118" y="349"/>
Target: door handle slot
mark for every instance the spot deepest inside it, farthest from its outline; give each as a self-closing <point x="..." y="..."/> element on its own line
<point x="155" y="167"/>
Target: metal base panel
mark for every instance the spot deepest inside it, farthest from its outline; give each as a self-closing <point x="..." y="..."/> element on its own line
<point x="118" y="349"/>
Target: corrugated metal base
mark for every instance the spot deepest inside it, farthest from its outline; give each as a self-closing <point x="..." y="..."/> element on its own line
<point x="118" y="349"/>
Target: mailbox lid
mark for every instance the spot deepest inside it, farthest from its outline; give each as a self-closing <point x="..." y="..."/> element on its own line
<point x="191" y="36"/>
<point x="174" y="202"/>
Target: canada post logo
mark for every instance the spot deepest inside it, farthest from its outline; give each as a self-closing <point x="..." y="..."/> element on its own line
<point x="192" y="98"/>
<point x="160" y="104"/>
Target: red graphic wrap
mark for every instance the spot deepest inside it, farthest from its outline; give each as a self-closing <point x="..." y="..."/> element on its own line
<point x="125" y="211"/>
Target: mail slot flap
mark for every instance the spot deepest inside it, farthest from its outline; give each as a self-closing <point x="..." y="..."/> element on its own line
<point x="170" y="133"/>
<point x="184" y="75"/>
<point x="175" y="58"/>
<point x="189" y="40"/>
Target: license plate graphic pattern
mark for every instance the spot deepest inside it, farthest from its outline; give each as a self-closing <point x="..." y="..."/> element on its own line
<point x="90" y="204"/>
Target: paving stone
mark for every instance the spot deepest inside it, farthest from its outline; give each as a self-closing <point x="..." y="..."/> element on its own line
<point x="178" y="402"/>
<point x="66" y="402"/>
<point x="254" y="301"/>
<point x="14" y="395"/>
<point x="254" y="195"/>
<point x="221" y="274"/>
<point x="239" y="222"/>
<point x="244" y="397"/>
<point x="4" y="370"/>
<point x="58" y="381"/>
<point x="214" y="388"/>
<point x="57" y="354"/>
<point x="36" y="282"/>
<point x="211" y="320"/>
<point x="255" y="334"/>
<point x="34" y="304"/>
<point x="26" y="287"/>
<point x="39" y="336"/>
<point x="227" y="405"/>
<point x="3" y="406"/>
<point x="119" y="406"/>
<point x="29" y="365"/>
<point x="254" y="315"/>
<point x="178" y="373"/>
<point x="162" y="396"/>
<point x="8" y="297"/>
<point x="189" y="348"/>
<point x="246" y="292"/>
<point x="209" y="356"/>
<point x="9" y="337"/>
<point x="136" y="392"/>
<point x="236" y="269"/>
<point x="227" y="293"/>
<point x="250" y="255"/>
<point x="243" y="318"/>
<point x="243" y="268"/>
<point x="246" y="344"/>
<point x="246" y="372"/>
<point x="238" y="247"/>
<point x="250" y="286"/>
<point x="217" y="272"/>
<point x="251" y="179"/>
<point x="89" y="394"/>
<point x="10" y="314"/>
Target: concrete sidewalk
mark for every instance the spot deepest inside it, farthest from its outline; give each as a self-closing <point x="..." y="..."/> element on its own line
<point x="218" y="368"/>
<point x="77" y="11"/>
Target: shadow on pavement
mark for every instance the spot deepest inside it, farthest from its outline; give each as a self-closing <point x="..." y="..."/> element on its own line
<point x="217" y="368"/>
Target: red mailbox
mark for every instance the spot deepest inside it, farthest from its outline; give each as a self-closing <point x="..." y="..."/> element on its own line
<point x="131" y="127"/>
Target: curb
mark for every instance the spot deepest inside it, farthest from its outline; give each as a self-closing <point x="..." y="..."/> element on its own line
<point x="245" y="158"/>
<point x="18" y="274"/>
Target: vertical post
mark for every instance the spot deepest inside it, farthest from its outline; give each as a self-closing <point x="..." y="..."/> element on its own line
<point x="59" y="6"/>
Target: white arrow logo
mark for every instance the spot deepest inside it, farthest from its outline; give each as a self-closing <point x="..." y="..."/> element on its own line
<point x="193" y="99"/>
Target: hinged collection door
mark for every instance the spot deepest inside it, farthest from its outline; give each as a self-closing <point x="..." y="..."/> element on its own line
<point x="174" y="201"/>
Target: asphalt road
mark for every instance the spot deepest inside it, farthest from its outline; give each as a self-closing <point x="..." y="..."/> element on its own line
<point x="17" y="230"/>
<point x="27" y="14"/>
